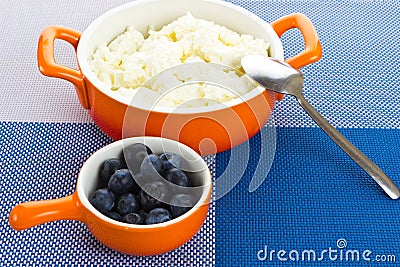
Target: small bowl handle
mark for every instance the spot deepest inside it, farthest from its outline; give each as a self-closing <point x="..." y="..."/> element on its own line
<point x="49" y="67"/>
<point x="29" y="214"/>
<point x="312" y="46"/>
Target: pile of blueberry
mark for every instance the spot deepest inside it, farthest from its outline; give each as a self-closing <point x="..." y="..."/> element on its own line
<point x="140" y="187"/>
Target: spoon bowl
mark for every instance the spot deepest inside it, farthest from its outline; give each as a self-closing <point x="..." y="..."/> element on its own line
<point x="280" y="77"/>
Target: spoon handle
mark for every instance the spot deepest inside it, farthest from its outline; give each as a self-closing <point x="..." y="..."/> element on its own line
<point x="363" y="161"/>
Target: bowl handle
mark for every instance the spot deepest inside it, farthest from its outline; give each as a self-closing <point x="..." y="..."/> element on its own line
<point x="312" y="46"/>
<point x="49" y="67"/>
<point x="29" y="214"/>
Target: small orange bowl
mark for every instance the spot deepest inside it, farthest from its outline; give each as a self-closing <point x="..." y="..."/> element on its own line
<point x="126" y="238"/>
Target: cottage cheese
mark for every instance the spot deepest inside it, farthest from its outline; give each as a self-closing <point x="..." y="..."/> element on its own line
<point x="126" y="63"/>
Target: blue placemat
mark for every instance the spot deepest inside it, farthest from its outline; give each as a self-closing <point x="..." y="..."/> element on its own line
<point x="313" y="197"/>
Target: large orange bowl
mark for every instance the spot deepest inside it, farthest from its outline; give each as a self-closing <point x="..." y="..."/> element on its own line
<point x="207" y="130"/>
<point x="127" y="238"/>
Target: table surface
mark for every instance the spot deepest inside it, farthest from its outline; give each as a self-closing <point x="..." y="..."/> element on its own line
<point x="314" y="198"/>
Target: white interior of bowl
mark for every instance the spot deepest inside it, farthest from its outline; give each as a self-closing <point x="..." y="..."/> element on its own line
<point x="142" y="13"/>
<point x="192" y="161"/>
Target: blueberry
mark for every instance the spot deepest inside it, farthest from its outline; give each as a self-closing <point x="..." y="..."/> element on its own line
<point x="109" y="167"/>
<point x="122" y="182"/>
<point x="134" y="155"/>
<point x="127" y="203"/>
<point x="177" y="177"/>
<point x="151" y="167"/>
<point x="103" y="200"/>
<point x="158" y="215"/>
<point x="170" y="160"/>
<point x="139" y="180"/>
<point x="114" y="215"/>
<point x="156" y="191"/>
<point x="142" y="213"/>
<point x="133" y="218"/>
<point x="180" y="204"/>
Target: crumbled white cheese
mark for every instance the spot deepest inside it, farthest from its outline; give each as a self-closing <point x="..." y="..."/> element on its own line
<point x="130" y="60"/>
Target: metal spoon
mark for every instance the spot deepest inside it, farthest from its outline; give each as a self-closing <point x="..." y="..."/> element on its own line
<point x="282" y="78"/>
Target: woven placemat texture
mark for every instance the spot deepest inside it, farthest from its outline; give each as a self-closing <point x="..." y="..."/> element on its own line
<point x="314" y="197"/>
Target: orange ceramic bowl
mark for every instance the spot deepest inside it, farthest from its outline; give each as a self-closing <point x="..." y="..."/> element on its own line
<point x="127" y="238"/>
<point x="208" y="130"/>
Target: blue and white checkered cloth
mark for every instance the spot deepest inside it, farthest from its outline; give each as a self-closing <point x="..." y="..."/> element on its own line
<point x="314" y="197"/>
